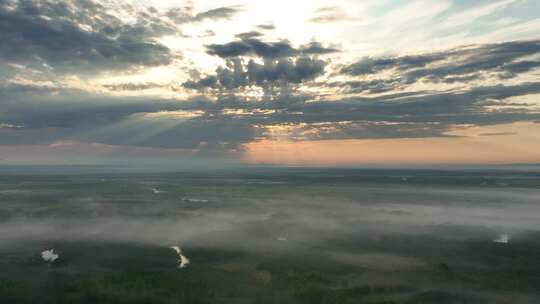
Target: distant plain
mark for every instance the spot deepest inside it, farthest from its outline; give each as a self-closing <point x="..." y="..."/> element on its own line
<point x="274" y="235"/>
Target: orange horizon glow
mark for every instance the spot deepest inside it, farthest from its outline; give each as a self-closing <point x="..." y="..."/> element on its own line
<point x="523" y="146"/>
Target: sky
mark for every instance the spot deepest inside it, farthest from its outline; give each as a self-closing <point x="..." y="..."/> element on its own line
<point x="303" y="83"/>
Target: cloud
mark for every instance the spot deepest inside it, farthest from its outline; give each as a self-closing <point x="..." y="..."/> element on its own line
<point x="267" y="27"/>
<point x="316" y="48"/>
<point x="497" y="134"/>
<point x="372" y="86"/>
<point x="368" y="65"/>
<point x="290" y="70"/>
<point x="268" y="50"/>
<point x="213" y="128"/>
<point x="80" y="36"/>
<point x="332" y="14"/>
<point x="133" y="86"/>
<point x="441" y="109"/>
<point x="503" y="60"/>
<point x="79" y="116"/>
<point x="269" y="75"/>
<point x="248" y="35"/>
<point x="218" y="13"/>
<point x="283" y="66"/>
<point x="207" y="82"/>
<point x="186" y="14"/>
<point x="251" y="46"/>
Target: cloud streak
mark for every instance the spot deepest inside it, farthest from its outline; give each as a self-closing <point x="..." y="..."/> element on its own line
<point x="269" y="50"/>
<point x="503" y="59"/>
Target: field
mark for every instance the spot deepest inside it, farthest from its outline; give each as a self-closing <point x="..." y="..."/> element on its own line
<point x="271" y="235"/>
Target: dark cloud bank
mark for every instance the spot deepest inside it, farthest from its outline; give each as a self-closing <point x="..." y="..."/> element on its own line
<point x="464" y="64"/>
<point x="281" y="66"/>
<point x="84" y="36"/>
<point x="78" y="35"/>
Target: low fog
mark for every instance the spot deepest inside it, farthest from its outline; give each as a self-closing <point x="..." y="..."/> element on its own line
<point x="257" y="213"/>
